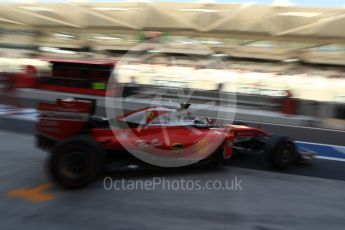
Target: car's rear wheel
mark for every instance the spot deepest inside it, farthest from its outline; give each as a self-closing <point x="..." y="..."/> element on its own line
<point x="280" y="152"/>
<point x="76" y="162"/>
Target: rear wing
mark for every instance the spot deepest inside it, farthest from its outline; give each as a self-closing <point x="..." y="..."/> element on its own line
<point x="64" y="118"/>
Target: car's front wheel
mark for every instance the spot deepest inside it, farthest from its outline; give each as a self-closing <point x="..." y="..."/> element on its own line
<point x="76" y="162"/>
<point x="280" y="152"/>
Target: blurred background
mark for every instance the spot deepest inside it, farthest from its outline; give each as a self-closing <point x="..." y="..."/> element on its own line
<point x="282" y="59"/>
<point x="275" y="64"/>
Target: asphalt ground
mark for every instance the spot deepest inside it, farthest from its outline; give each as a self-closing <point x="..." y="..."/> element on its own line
<point x="305" y="197"/>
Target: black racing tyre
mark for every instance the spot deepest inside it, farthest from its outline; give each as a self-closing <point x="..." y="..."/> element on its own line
<point x="215" y="160"/>
<point x="76" y="162"/>
<point x="280" y="152"/>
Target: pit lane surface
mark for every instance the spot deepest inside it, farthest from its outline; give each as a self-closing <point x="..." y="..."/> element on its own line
<point x="267" y="200"/>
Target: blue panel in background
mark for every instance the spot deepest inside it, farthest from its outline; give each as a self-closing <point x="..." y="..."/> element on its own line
<point x="324" y="150"/>
<point x="20" y="113"/>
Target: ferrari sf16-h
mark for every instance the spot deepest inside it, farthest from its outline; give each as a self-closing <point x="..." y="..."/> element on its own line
<point x="81" y="145"/>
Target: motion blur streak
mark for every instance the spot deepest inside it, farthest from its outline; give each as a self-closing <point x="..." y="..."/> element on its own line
<point x="278" y="68"/>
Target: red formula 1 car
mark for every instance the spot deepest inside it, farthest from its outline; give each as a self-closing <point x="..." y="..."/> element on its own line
<point x="81" y="144"/>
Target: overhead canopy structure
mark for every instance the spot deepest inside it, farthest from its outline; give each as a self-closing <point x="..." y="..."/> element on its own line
<point x="186" y="17"/>
<point x="80" y="24"/>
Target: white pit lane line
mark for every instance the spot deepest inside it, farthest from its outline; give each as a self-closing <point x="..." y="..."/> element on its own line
<point x="330" y="158"/>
